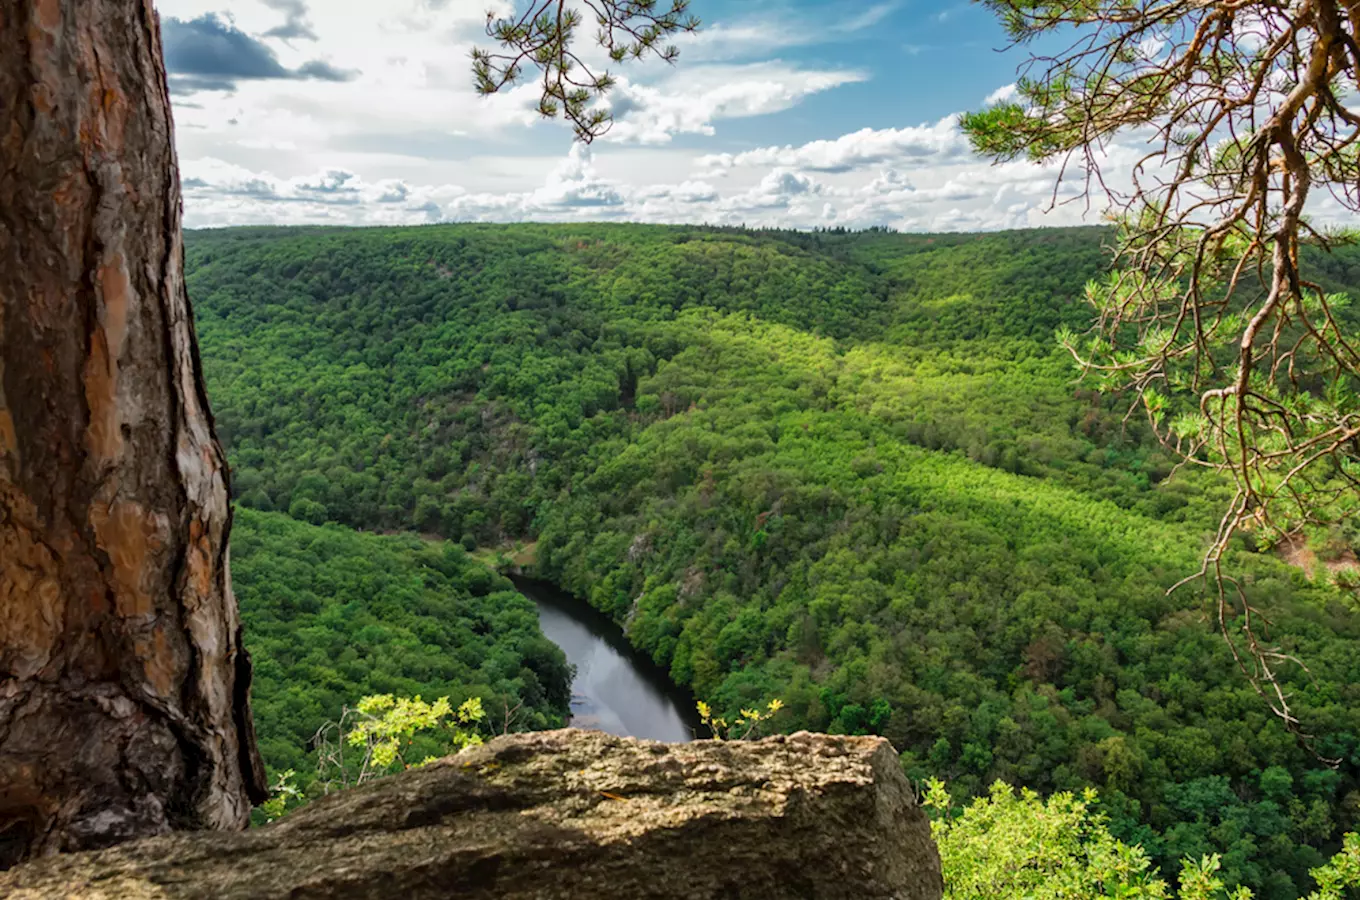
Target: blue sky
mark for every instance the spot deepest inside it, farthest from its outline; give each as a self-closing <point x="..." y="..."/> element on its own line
<point x="796" y="113"/>
<point x="923" y="61"/>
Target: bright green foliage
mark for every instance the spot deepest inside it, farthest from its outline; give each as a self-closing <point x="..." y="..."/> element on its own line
<point x="1214" y="319"/>
<point x="382" y="730"/>
<point x="283" y="795"/>
<point x="332" y="614"/>
<point x="1013" y="845"/>
<point x="385" y="726"/>
<point x="1341" y="873"/>
<point x="849" y="471"/>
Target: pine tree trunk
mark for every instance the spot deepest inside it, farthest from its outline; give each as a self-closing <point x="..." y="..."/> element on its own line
<point x="124" y="707"/>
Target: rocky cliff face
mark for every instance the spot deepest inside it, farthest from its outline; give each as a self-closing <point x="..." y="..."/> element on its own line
<point x="564" y="814"/>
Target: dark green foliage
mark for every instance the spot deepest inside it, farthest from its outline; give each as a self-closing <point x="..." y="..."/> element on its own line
<point x="850" y="471"/>
<point x="333" y="615"/>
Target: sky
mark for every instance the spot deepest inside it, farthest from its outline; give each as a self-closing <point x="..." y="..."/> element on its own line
<point x="791" y="113"/>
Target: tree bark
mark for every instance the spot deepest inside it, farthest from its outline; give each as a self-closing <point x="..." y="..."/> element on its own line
<point x="124" y="704"/>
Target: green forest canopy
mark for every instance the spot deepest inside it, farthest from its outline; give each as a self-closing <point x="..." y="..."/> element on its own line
<point x="334" y="615"/>
<point x="851" y="471"/>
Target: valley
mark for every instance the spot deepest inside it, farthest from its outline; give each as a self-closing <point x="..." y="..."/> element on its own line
<point x="851" y="472"/>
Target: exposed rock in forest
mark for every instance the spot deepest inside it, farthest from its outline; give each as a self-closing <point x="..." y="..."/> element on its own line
<point x="559" y="814"/>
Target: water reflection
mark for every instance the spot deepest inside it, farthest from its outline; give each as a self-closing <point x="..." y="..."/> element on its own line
<point x="615" y="689"/>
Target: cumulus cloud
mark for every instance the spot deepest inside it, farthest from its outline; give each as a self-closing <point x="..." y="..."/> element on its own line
<point x="221" y="193"/>
<point x="408" y="141"/>
<point x="684" y="193"/>
<point x="975" y="196"/>
<point x="575" y="185"/>
<point x="574" y="190"/>
<point x="1003" y="94"/>
<point x="218" y="192"/>
<point x="267" y="99"/>
<point x="868" y="147"/>
<point x="210" y="53"/>
<point x="779" y="189"/>
<point x="918" y="178"/>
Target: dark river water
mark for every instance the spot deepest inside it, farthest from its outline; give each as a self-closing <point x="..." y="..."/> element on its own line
<point x="616" y="689"/>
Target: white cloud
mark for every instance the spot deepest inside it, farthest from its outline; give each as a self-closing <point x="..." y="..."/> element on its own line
<point x="769" y="33"/>
<point x="855" y="180"/>
<point x="410" y="116"/>
<point x="575" y="190"/>
<point x="913" y="146"/>
<point x="970" y="195"/>
<point x="408" y="140"/>
<point x="685" y="192"/>
<point x="704" y="95"/>
<point x="413" y="82"/>
<point x="781" y="189"/>
<point x="870" y="17"/>
<point x="1003" y="94"/>
<point x="726" y="41"/>
<point x="220" y="193"/>
<point x="574" y="185"/>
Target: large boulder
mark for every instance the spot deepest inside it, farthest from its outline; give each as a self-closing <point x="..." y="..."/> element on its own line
<point x="561" y="814"/>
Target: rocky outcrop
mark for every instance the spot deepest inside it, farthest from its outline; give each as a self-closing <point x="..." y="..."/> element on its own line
<point x="562" y="814"/>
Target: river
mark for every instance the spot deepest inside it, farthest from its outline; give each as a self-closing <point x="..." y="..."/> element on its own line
<point x="616" y="689"/>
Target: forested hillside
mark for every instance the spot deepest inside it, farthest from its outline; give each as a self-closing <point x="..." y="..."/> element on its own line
<point x="334" y="615"/>
<point x="850" y="471"/>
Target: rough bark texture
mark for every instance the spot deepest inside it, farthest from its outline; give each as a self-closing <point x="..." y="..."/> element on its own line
<point x="563" y="814"/>
<point x="123" y="688"/>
